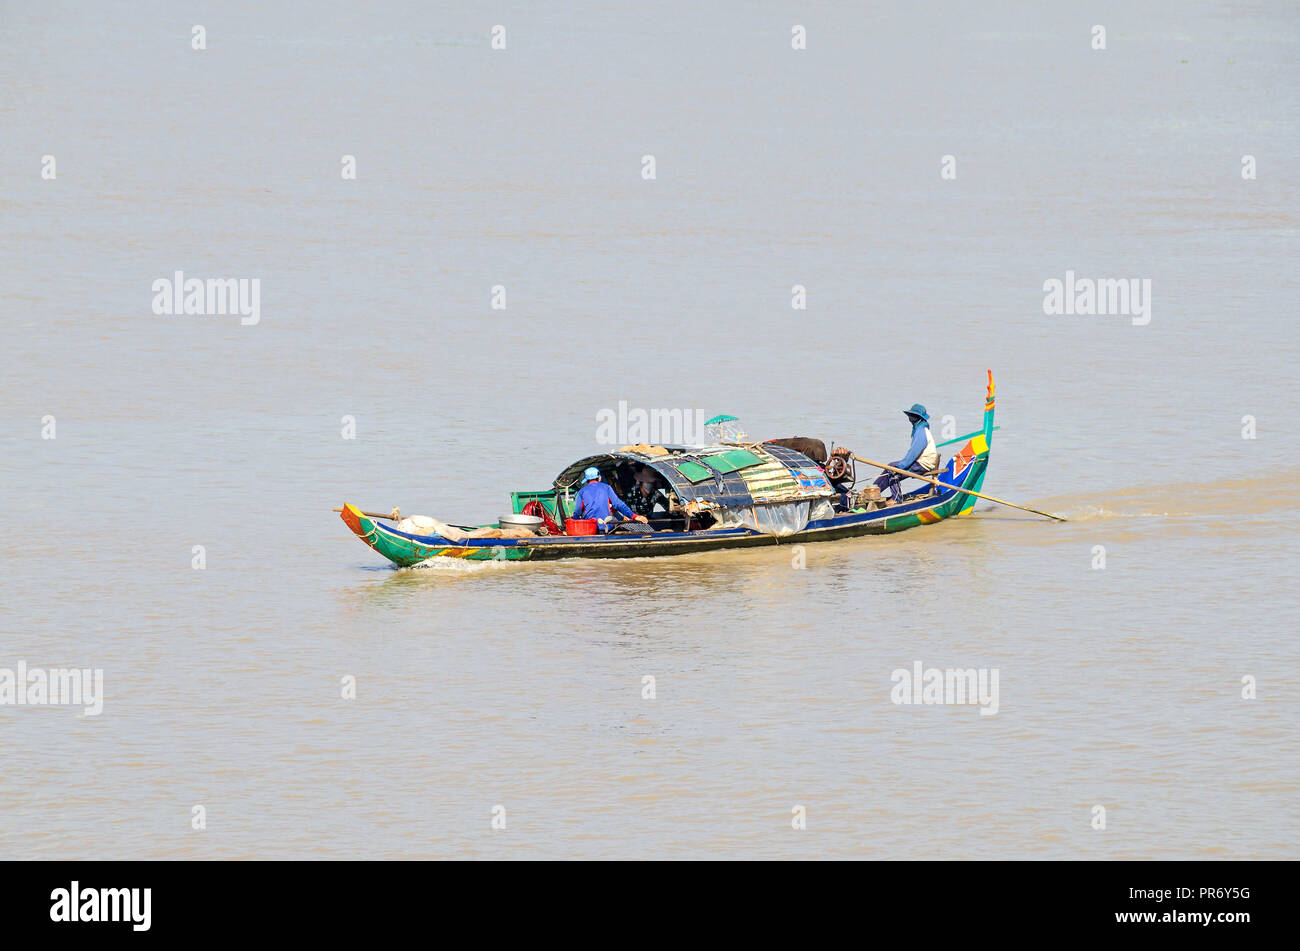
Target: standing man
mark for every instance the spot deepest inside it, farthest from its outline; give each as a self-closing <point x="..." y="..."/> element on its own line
<point x="597" y="500"/>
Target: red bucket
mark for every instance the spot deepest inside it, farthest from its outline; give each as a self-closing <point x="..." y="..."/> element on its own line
<point x="580" y="526"/>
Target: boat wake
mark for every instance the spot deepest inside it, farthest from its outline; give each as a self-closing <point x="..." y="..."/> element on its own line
<point x="1097" y="513"/>
<point x="1228" y="498"/>
<point x="460" y="565"/>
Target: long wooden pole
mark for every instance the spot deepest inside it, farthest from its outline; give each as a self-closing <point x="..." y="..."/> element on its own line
<point x="978" y="495"/>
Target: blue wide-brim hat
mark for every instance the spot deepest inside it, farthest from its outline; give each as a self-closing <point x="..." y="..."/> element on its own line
<point x="917" y="410"/>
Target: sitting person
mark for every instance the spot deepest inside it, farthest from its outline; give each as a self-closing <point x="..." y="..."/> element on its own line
<point x="596" y="500"/>
<point x="921" y="457"/>
<point x="647" y="492"/>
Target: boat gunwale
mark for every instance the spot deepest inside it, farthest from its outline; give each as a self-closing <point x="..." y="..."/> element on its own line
<point x="840" y="520"/>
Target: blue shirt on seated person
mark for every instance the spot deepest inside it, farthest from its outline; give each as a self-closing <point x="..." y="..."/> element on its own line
<point x="597" y="500"/>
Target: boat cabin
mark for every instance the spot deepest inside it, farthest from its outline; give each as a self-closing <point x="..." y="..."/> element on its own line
<point x="761" y="486"/>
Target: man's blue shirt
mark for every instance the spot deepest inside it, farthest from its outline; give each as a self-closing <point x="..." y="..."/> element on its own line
<point x="914" y="451"/>
<point x="596" y="500"/>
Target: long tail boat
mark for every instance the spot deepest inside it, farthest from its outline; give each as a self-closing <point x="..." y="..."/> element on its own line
<point x="728" y="495"/>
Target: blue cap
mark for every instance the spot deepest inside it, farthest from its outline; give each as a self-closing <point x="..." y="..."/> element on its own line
<point x="918" y="410"/>
<point x="591" y="473"/>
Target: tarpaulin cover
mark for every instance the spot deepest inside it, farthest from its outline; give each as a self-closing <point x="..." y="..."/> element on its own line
<point x="769" y="474"/>
<point x="781" y="519"/>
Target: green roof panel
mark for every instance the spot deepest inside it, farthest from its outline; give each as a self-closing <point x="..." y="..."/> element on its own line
<point x="693" y="471"/>
<point x="732" y="459"/>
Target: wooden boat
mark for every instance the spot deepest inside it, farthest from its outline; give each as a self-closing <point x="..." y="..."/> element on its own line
<point x="731" y="495"/>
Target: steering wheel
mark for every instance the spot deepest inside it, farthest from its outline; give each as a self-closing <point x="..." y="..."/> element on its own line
<point x="837" y="467"/>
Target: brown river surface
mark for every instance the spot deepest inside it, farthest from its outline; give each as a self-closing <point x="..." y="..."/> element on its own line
<point x="521" y="685"/>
